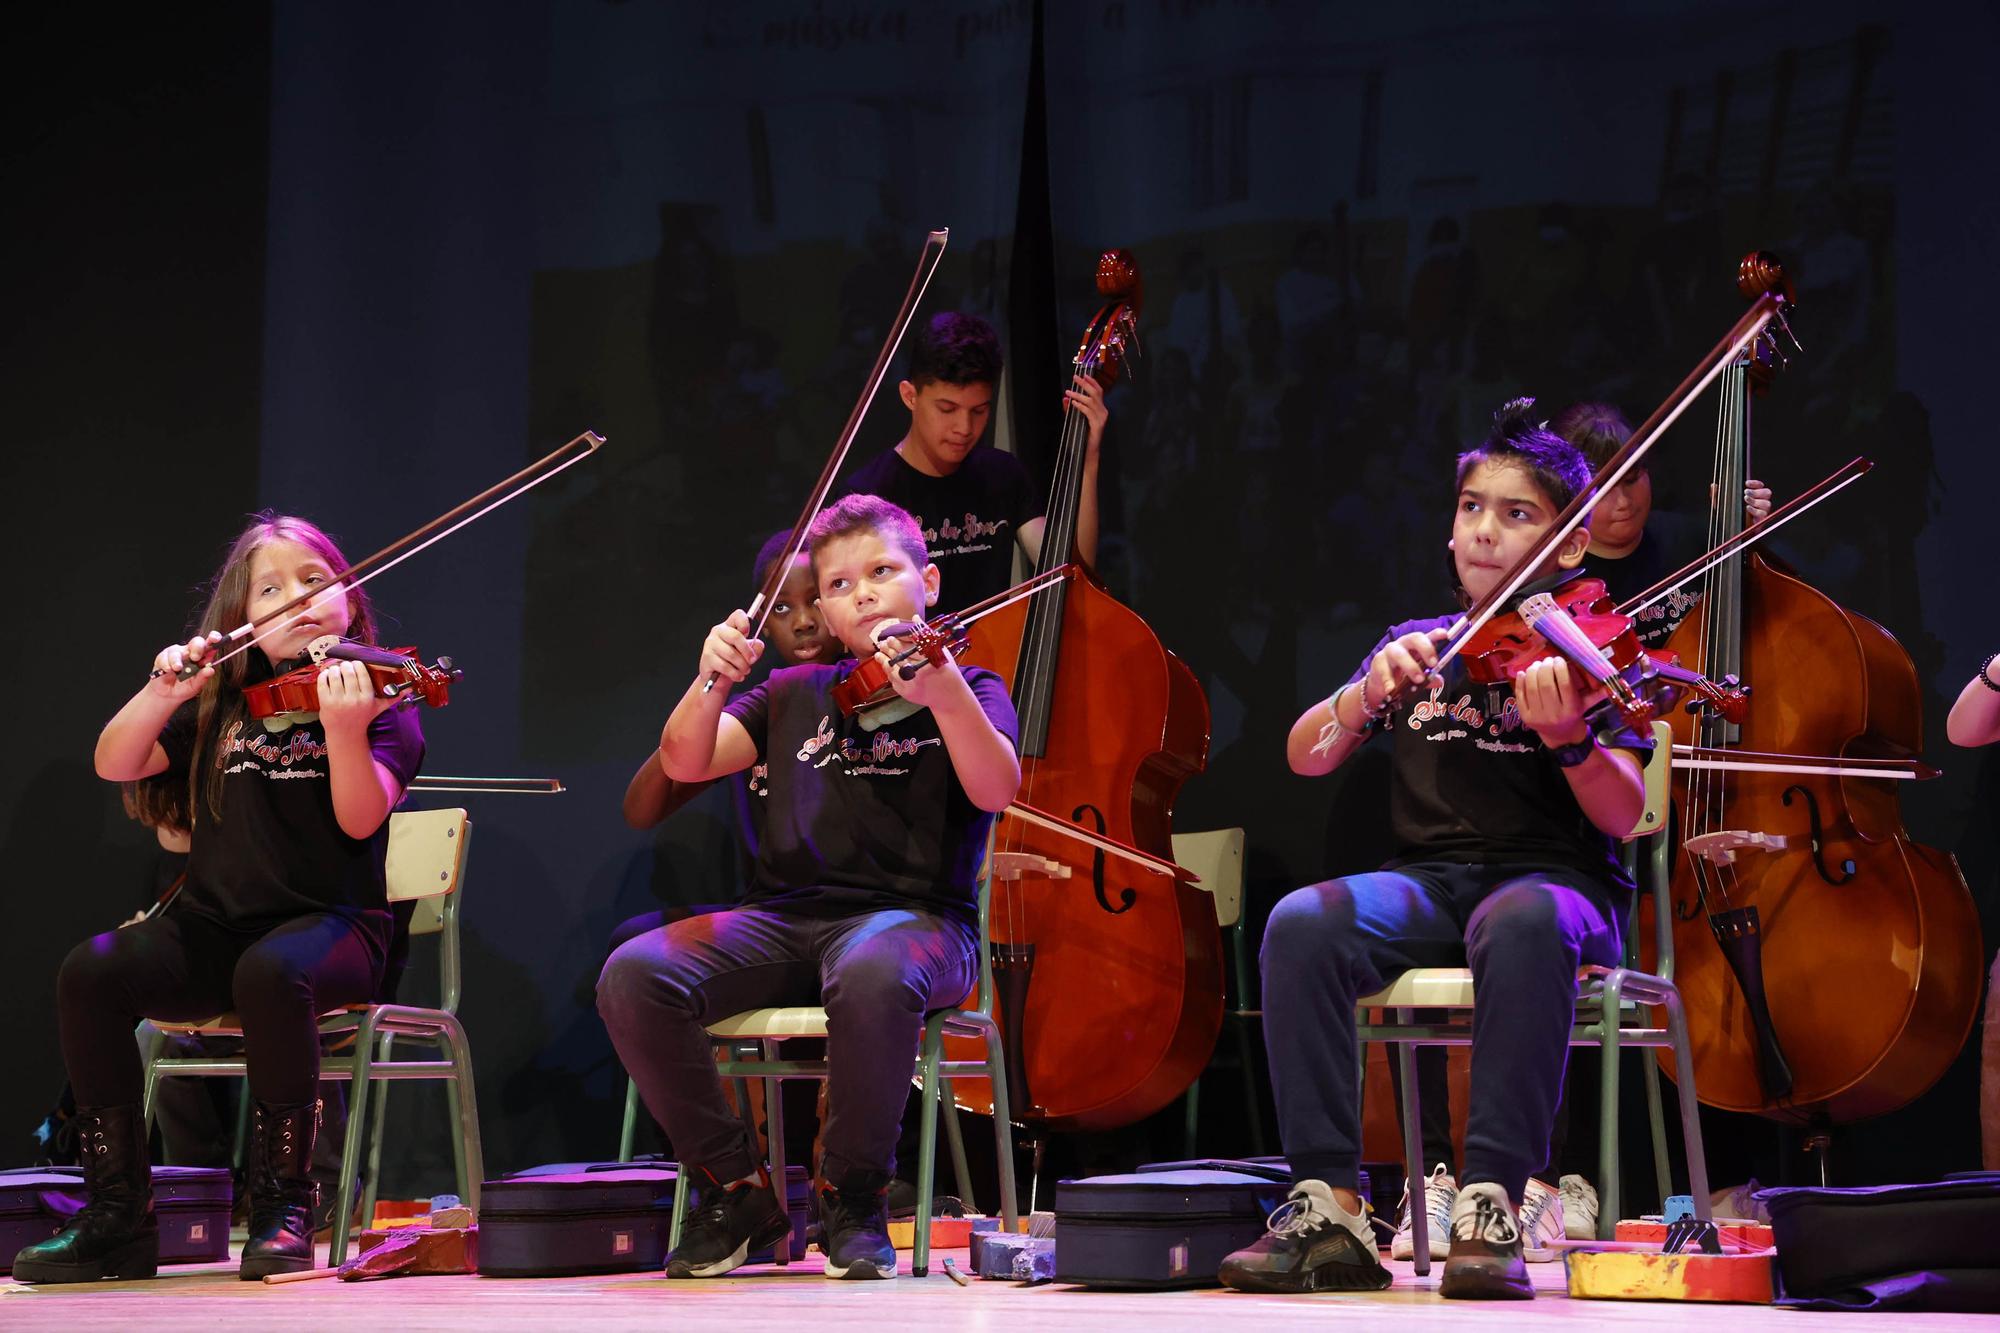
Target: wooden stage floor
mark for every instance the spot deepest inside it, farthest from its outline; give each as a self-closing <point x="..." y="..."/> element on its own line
<point x="210" y="1297"/>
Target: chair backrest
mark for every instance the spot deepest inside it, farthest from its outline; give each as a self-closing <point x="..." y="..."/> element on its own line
<point x="1659" y="785"/>
<point x="1216" y="856"/>
<point x="428" y="851"/>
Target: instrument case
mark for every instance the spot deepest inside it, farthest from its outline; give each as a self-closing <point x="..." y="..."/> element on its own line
<point x="191" y="1202"/>
<point x="1154" y="1230"/>
<point x="570" y="1218"/>
<point x="1890" y="1247"/>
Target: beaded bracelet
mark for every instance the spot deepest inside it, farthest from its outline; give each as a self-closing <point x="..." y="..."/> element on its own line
<point x="1984" y="679"/>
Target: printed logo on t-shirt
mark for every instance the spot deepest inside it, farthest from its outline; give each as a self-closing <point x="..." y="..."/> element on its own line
<point x="1468" y="722"/>
<point x="272" y="756"/>
<point x="760" y="779"/>
<point x="1664" y="616"/>
<point x="872" y="759"/>
<point x="970" y="535"/>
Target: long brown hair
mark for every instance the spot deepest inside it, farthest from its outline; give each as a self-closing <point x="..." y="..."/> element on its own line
<point x="221" y="705"/>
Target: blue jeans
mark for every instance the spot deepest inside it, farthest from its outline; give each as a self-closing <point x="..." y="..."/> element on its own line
<point x="877" y="973"/>
<point x="1524" y="931"/>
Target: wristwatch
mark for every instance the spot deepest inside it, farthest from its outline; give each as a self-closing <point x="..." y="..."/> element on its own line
<point x="1569" y="756"/>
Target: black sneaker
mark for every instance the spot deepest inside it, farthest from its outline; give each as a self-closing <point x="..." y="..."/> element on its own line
<point x="1485" y="1262"/>
<point x="726" y="1225"/>
<point x="854" y="1228"/>
<point x="1310" y="1243"/>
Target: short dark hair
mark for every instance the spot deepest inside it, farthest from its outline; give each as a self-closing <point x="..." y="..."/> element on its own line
<point x="1598" y="429"/>
<point x="871" y="513"/>
<point x="1557" y="466"/>
<point x="956" y="349"/>
<point x="769" y="554"/>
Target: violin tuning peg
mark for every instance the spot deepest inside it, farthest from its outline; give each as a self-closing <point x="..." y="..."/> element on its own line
<point x="444" y="665"/>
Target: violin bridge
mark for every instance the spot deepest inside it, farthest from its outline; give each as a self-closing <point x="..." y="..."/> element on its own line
<point x="1022" y="865"/>
<point x="1722" y="846"/>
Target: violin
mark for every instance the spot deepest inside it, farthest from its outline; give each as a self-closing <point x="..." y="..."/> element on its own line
<point x="395" y="672"/>
<point x="867" y="686"/>
<point x="1577" y="623"/>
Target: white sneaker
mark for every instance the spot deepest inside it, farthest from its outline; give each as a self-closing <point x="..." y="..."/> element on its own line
<point x="1440" y="1193"/>
<point x="1579" y="1208"/>
<point x="1541" y="1222"/>
<point x="1740" y="1203"/>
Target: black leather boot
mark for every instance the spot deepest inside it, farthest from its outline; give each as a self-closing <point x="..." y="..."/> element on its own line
<point x="281" y="1190"/>
<point x="115" y="1235"/>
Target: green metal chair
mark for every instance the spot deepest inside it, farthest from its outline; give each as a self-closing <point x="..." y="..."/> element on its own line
<point x="1613" y="1012"/>
<point x="426" y="865"/>
<point x="750" y="1044"/>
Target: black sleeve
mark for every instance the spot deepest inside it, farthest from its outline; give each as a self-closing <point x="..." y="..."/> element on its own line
<point x="177" y="738"/>
<point x="396" y="740"/>
<point x="998" y="705"/>
<point x="752" y="708"/>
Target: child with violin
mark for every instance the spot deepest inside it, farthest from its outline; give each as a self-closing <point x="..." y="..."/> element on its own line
<point x="283" y="915"/>
<point x="1506" y="808"/>
<point x="972" y="504"/>
<point x="863" y="898"/>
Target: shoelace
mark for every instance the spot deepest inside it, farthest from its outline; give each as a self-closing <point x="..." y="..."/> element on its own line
<point x="1533" y="1208"/>
<point x="1440" y="1203"/>
<point x="1295" y="1216"/>
<point x="1489" y="1222"/>
<point x="1575" y="1187"/>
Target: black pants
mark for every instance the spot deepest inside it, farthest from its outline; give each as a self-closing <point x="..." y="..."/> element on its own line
<point x="877" y="974"/>
<point x="182" y="966"/>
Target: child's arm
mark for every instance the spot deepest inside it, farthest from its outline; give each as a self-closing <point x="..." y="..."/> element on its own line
<point x="1608" y="784"/>
<point x="651" y="795"/>
<point x="1316" y="746"/>
<point x="129" y="746"/>
<point x="365" y="789"/>
<point x="1975" y="718"/>
<point x="981" y="757"/>
<point x="700" y="741"/>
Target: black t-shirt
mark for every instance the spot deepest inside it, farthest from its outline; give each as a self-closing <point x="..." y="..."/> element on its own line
<point x="1669" y="541"/>
<point x="970" y="518"/>
<point x="1469" y="783"/>
<point x="856" y="820"/>
<point x="277" y="851"/>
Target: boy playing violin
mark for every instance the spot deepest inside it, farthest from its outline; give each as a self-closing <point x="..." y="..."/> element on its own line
<point x="863" y="898"/>
<point x="972" y="504"/>
<point x="1505" y="814"/>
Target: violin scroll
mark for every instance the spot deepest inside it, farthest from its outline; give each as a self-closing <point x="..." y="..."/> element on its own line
<point x="1113" y="333"/>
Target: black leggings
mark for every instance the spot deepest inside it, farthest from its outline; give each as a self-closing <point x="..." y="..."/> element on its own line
<point x="182" y="966"/>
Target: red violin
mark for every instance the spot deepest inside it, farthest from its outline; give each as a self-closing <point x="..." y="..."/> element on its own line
<point x="1577" y="623"/>
<point x="396" y="672"/>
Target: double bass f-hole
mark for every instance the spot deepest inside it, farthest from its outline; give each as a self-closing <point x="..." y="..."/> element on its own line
<point x="1127" y="895"/>
<point x="1816" y="835"/>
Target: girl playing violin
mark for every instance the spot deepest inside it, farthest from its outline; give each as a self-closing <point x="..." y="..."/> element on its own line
<point x="863" y="898"/>
<point x="1505" y="816"/>
<point x="283" y="915"/>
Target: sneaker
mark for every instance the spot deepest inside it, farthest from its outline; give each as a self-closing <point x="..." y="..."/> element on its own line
<point x="1541" y="1222"/>
<point x="854" y="1229"/>
<point x="1310" y="1243"/>
<point x="1740" y="1203"/>
<point x="1579" y="1208"/>
<point x="727" y="1224"/>
<point x="1485" y="1260"/>
<point x="1440" y="1191"/>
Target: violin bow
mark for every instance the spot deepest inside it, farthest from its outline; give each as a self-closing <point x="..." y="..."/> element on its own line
<point x="514" y="786"/>
<point x="253" y="632"/>
<point x="1854" y="471"/>
<point x="760" y="608"/>
<point x="1748" y="328"/>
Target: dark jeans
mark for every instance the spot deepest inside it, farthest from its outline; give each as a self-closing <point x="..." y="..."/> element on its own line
<point x="877" y="974"/>
<point x="1523" y="930"/>
<point x="181" y="966"/>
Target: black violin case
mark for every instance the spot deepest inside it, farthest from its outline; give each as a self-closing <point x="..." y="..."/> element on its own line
<point x="1890" y="1247"/>
<point x="570" y="1218"/>
<point x="191" y="1202"/>
<point x="1166" y="1225"/>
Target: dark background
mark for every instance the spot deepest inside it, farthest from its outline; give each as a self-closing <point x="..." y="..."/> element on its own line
<point x="358" y="262"/>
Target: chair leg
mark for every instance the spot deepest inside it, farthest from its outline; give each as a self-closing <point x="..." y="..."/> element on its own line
<point x="1413" y="1153"/>
<point x="240" y="1154"/>
<point x="1253" y="1106"/>
<point x="920" y="1242"/>
<point x="631" y="1123"/>
<point x="1690" y="1107"/>
<point x="373" y="1188"/>
<point x="1191" y="1117"/>
<point x="357" y="1119"/>
<point x="680" y="1208"/>
<point x="954" y="1134"/>
<point x="463" y="1096"/>
<point x="155" y="1045"/>
<point x="774" y="1118"/>
<point x="1656" y="1122"/>
<point x="1003" y="1128"/>
<point x="1610" y="1204"/>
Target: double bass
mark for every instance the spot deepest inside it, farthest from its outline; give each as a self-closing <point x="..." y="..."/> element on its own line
<point x="1830" y="965"/>
<point x="1107" y="964"/>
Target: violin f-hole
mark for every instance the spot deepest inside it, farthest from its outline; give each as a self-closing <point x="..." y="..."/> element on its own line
<point x="1816" y="835"/>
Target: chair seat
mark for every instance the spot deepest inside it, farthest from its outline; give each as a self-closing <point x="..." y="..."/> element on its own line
<point x="1424" y="988"/>
<point x="229" y="1025"/>
<point x="791" y="1021"/>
